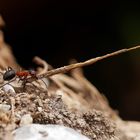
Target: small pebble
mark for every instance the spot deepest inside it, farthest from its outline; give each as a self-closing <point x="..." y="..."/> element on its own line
<point x="26" y="119"/>
<point x="47" y="132"/>
<point x="8" y="88"/>
<point x="5" y="107"/>
<point x="39" y="109"/>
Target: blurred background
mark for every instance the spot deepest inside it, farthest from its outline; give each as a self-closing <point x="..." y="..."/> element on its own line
<point x="60" y="30"/>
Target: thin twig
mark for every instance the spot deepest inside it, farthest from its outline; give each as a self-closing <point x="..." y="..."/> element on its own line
<point x="85" y="63"/>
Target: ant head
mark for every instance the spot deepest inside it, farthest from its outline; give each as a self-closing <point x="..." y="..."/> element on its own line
<point x="9" y="74"/>
<point x="32" y="72"/>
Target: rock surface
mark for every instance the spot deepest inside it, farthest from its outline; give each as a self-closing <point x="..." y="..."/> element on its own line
<point x="47" y="132"/>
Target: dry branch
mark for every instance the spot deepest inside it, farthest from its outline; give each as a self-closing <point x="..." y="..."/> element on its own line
<point x="85" y="63"/>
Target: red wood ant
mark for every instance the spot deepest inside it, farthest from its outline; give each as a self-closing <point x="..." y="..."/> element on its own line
<point x="22" y="75"/>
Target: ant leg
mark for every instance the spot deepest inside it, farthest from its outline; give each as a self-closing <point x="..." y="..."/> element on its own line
<point x="39" y="79"/>
<point x="25" y="81"/>
<point x="36" y="80"/>
<point x="8" y="82"/>
<point x="44" y="83"/>
<point x="19" y="80"/>
<point x="34" y="85"/>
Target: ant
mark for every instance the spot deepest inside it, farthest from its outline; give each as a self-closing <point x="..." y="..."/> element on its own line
<point x="22" y="75"/>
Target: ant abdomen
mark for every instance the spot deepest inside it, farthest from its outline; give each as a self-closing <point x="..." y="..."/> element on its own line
<point x="9" y="74"/>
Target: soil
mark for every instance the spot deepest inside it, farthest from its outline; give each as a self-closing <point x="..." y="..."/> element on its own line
<point x="46" y="109"/>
